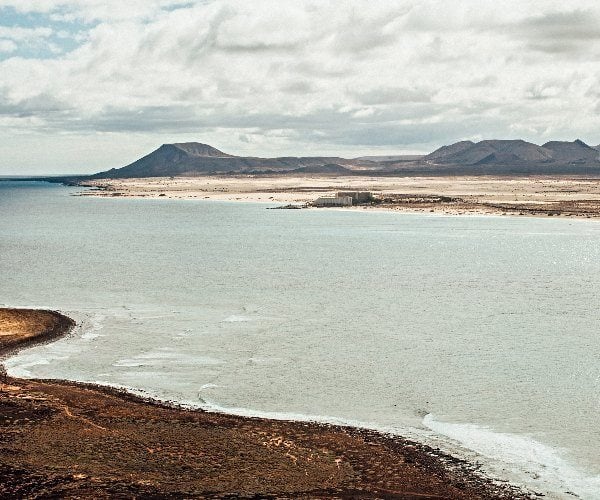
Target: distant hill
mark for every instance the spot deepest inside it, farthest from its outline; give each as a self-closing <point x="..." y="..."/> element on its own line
<point x="488" y="157"/>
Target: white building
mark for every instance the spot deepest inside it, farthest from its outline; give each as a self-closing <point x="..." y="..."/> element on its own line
<point x="333" y="201"/>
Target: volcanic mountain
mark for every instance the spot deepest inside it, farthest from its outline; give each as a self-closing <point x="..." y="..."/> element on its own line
<point x="514" y="157"/>
<point x="193" y="158"/>
<point x="489" y="157"/>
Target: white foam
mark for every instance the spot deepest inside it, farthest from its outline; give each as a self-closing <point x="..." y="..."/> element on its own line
<point x="209" y="386"/>
<point x="159" y="355"/>
<point x="237" y="318"/>
<point x="162" y="356"/>
<point x="18" y="366"/>
<point x="97" y="322"/>
<point x="90" y="332"/>
<point x="129" y="363"/>
<point x="538" y="465"/>
<point x="184" y="334"/>
<point x="91" y="335"/>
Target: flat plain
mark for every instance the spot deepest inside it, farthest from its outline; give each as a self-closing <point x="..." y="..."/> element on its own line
<point x="516" y="195"/>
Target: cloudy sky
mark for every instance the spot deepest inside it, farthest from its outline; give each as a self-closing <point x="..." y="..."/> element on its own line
<point x="87" y="85"/>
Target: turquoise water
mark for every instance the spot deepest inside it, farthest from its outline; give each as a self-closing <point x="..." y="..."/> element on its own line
<point x="479" y="334"/>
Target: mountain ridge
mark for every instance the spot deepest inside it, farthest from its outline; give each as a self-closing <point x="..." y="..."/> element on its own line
<point x="486" y="157"/>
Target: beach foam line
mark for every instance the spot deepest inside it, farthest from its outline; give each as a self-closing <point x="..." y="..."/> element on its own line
<point x="538" y="465"/>
<point x="203" y="404"/>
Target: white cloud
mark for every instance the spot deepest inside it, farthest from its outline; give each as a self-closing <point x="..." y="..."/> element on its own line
<point x="311" y="76"/>
<point x="11" y="38"/>
<point x="7" y="46"/>
<point x="93" y="10"/>
<point x="20" y="34"/>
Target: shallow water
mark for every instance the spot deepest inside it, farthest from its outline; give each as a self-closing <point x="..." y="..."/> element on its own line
<point x="481" y="331"/>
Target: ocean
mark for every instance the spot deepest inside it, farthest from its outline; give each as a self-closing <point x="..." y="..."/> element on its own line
<point x="476" y="334"/>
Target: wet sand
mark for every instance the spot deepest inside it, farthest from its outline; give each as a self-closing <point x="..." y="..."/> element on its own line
<point x="527" y="196"/>
<point x="63" y="439"/>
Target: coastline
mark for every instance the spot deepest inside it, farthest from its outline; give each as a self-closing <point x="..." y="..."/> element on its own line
<point x="535" y="196"/>
<point x="106" y="441"/>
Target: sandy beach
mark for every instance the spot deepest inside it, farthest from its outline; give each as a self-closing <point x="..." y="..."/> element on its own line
<point x="74" y="440"/>
<point x="527" y="196"/>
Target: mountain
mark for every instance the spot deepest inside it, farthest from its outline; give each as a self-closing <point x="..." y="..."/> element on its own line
<point x="572" y="152"/>
<point x="488" y="157"/>
<point x="489" y="152"/>
<point x="193" y="158"/>
<point x="512" y="157"/>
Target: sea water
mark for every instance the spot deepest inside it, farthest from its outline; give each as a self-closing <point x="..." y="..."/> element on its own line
<point x="478" y="334"/>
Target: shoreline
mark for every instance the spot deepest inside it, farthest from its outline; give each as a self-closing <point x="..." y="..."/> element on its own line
<point x="535" y="196"/>
<point x="292" y="461"/>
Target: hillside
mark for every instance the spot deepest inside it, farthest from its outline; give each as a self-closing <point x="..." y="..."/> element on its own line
<point x="453" y="150"/>
<point x="488" y="152"/>
<point x="576" y="151"/>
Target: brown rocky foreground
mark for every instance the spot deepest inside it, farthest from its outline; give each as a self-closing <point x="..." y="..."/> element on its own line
<point x="60" y="439"/>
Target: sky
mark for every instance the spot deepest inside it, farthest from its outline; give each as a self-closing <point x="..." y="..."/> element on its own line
<point x="87" y="85"/>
